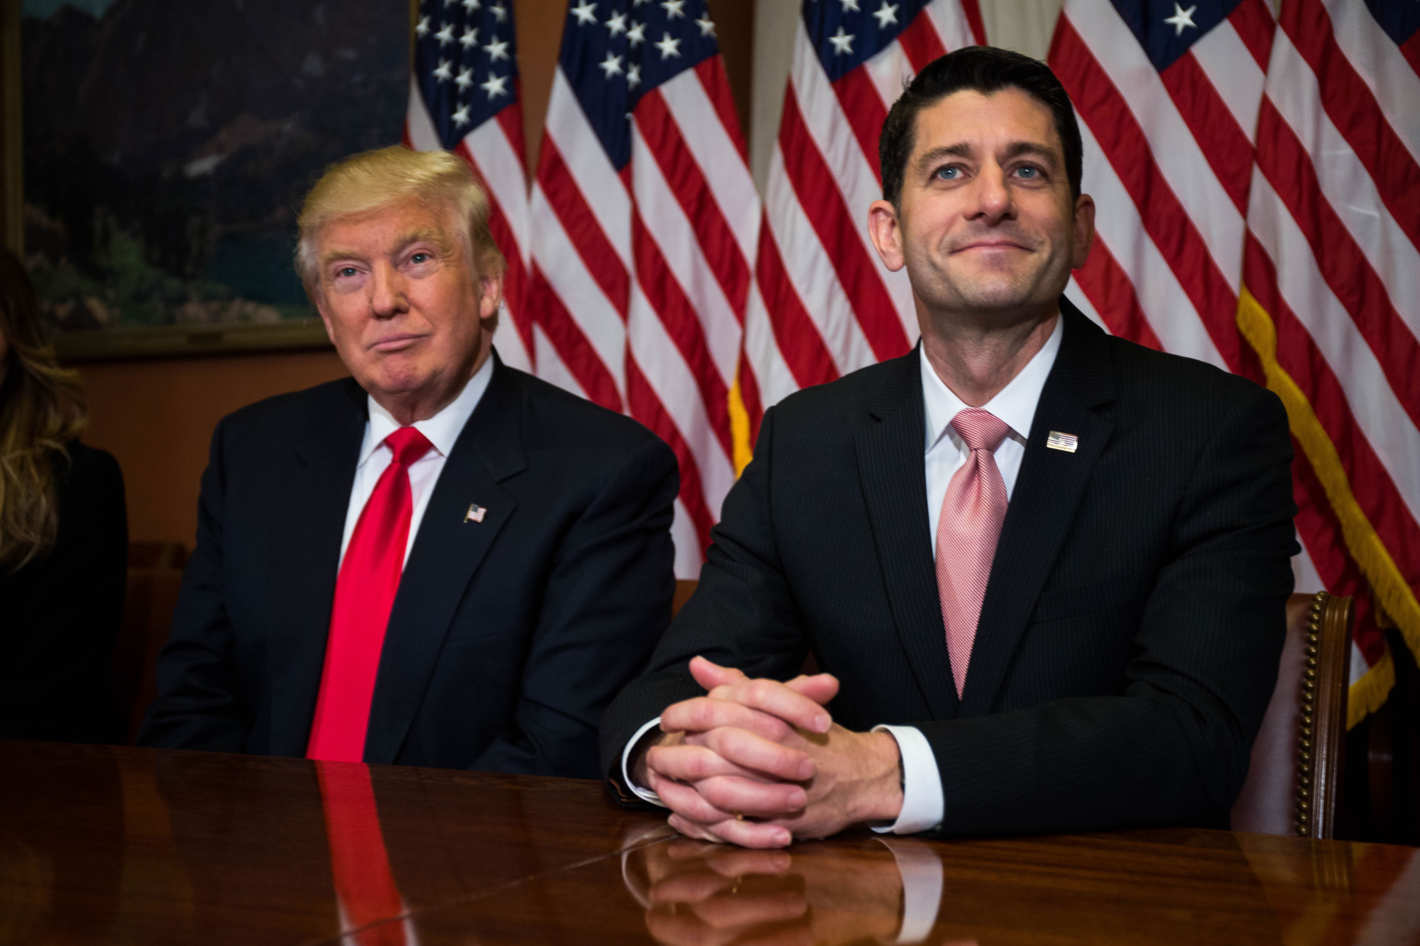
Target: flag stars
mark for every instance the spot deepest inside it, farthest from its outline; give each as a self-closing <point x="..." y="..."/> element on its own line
<point x="500" y="12"/>
<point x="850" y="5"/>
<point x="1182" y="19"/>
<point x="445" y="71"/>
<point x="886" y="14"/>
<point x="611" y="65"/>
<point x="460" y="115"/>
<point x="673" y="8"/>
<point x="496" y="50"/>
<point x="422" y="27"/>
<point x="471" y="5"/>
<point x="469" y="39"/>
<point x="495" y="86"/>
<point x="842" y="42"/>
<point x="616" y="24"/>
<point x="668" y="45"/>
<point x="633" y="75"/>
<point x="707" y="25"/>
<point x="465" y="79"/>
<point x="636" y="34"/>
<point x="445" y="36"/>
<point x="585" y="13"/>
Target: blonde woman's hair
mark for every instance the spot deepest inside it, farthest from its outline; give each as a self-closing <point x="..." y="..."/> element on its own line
<point x="41" y="410"/>
<point x="375" y="179"/>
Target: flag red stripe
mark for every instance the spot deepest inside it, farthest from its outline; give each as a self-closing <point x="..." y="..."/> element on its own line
<point x="571" y="345"/>
<point x="1226" y="146"/>
<point x="1347" y="270"/>
<point x="800" y="343"/>
<point x="863" y="111"/>
<point x="648" y="409"/>
<point x="515" y="275"/>
<point x="664" y="294"/>
<point x="837" y="229"/>
<point x="510" y="119"/>
<point x="1297" y="354"/>
<point x="1102" y="107"/>
<point x="972" y="11"/>
<point x="749" y="397"/>
<point x="702" y="211"/>
<point x="583" y="230"/>
<point x="1353" y="110"/>
<point x="920" y="42"/>
<point x="1320" y="533"/>
<point x="1112" y="294"/>
<point x="1252" y="21"/>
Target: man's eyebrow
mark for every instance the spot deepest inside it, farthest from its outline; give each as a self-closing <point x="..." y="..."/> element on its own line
<point x="1035" y="149"/>
<point x="929" y="158"/>
<point x="401" y="243"/>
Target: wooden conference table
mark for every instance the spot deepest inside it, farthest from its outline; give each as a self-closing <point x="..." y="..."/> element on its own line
<point x="122" y="845"/>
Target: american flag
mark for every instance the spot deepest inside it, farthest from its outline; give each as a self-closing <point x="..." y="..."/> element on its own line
<point x="463" y="97"/>
<point x="1331" y="299"/>
<point x="644" y="220"/>
<point x="1177" y="139"/>
<point x="824" y="304"/>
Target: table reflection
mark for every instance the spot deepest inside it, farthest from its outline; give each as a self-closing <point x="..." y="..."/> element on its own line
<point x="886" y="891"/>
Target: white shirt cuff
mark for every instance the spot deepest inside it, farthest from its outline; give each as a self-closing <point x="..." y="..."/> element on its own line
<point x="645" y="794"/>
<point x="922" y="802"/>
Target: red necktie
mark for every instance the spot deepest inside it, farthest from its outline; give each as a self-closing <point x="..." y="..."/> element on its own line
<point x="358" y="858"/>
<point x="364" y="594"/>
<point x="970" y="524"/>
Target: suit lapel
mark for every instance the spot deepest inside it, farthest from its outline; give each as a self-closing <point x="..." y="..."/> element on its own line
<point x="447" y="551"/>
<point x="889" y="443"/>
<point x="1043" y="503"/>
<point x="310" y="522"/>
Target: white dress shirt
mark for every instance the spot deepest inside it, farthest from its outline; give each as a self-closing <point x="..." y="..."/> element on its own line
<point x="441" y="430"/>
<point x="944" y="453"/>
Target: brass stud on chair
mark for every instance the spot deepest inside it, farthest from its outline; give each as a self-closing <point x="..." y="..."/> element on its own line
<point x="1305" y="762"/>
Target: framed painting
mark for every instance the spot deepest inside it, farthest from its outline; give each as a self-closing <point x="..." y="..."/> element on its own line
<point x="166" y="148"/>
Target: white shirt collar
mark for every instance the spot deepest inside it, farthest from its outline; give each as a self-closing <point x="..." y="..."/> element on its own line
<point x="442" y="429"/>
<point x="1015" y="403"/>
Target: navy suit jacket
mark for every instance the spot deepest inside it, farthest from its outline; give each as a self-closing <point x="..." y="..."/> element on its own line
<point x="507" y="637"/>
<point x="1130" y="631"/>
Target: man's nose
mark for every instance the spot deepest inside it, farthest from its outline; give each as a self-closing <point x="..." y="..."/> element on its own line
<point x="994" y="200"/>
<point x="387" y="292"/>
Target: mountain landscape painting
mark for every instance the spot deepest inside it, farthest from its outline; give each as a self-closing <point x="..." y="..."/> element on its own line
<point x="168" y="144"/>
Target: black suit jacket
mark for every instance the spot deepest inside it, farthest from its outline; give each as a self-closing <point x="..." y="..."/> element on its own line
<point x="61" y="612"/>
<point x="507" y="637"/>
<point x="1129" y="636"/>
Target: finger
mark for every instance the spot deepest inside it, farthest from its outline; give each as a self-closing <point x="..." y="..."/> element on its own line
<point x="750" y="834"/>
<point x="709" y="674"/>
<point x="732" y="752"/>
<point x="701" y="713"/>
<point x="722" y="797"/>
<point x="819" y="687"/>
<point x="777" y="699"/>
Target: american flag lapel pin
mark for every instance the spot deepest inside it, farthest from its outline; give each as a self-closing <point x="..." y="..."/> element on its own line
<point x="475" y="513"/>
<point x="1067" y="443"/>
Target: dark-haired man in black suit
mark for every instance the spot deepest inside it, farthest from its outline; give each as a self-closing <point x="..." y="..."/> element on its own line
<point x="1072" y="623"/>
<point x="474" y="603"/>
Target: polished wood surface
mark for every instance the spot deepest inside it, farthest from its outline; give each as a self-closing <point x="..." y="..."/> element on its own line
<point x="122" y="845"/>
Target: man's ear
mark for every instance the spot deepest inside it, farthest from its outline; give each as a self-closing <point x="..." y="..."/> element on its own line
<point x="490" y="293"/>
<point x="1084" y="230"/>
<point x="886" y="234"/>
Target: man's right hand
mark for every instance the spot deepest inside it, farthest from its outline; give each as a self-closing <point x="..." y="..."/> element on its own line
<point x="719" y="761"/>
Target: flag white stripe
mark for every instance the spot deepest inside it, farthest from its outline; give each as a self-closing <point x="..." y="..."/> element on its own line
<point x="1234" y="74"/>
<point x="1377" y="412"/>
<point x="1345" y="184"/>
<point x="589" y="167"/>
<point x="1118" y="225"/>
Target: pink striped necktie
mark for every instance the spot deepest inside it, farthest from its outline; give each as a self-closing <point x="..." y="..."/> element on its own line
<point x="360" y="613"/>
<point x="970" y="524"/>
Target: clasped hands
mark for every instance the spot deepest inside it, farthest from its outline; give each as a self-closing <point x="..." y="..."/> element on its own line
<point x="758" y="763"/>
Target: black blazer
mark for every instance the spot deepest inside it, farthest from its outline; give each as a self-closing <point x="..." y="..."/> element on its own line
<point x="60" y="614"/>
<point x="507" y="637"/>
<point x="1131" y="627"/>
